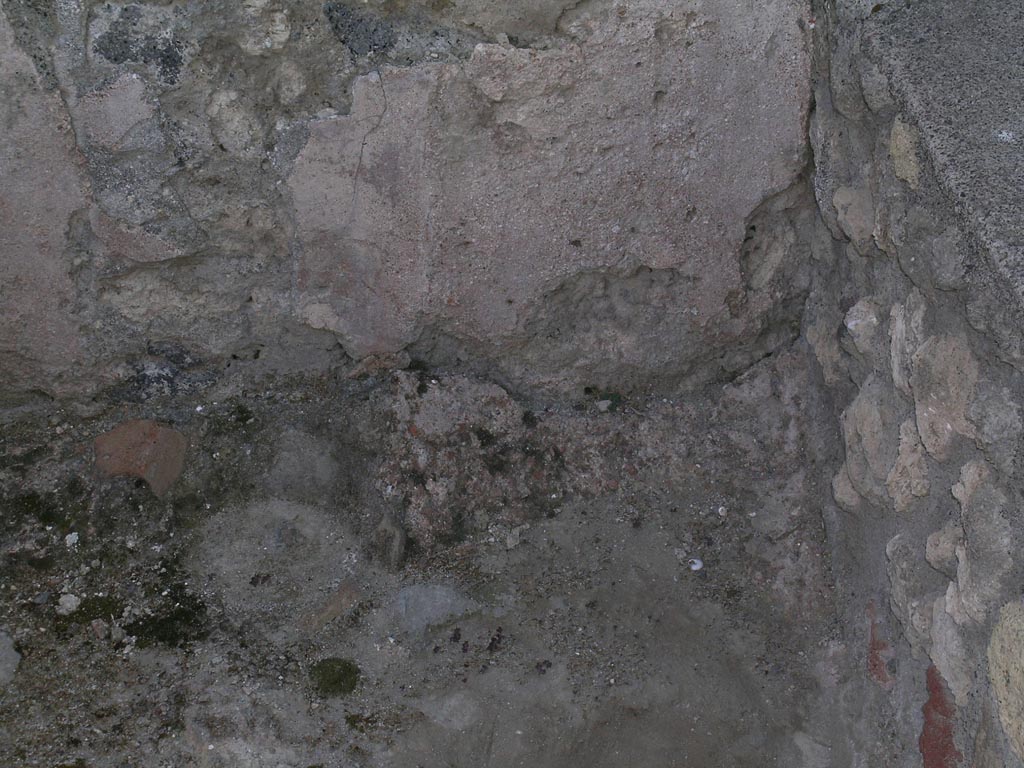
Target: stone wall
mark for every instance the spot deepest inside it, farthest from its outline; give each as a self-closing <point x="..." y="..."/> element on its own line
<point x="546" y="191"/>
<point x="558" y="195"/>
<point x="927" y="368"/>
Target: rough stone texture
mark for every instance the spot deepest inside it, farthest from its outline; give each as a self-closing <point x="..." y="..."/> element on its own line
<point x="409" y="221"/>
<point x="950" y="654"/>
<point x="942" y="546"/>
<point x="908" y="478"/>
<point x="879" y="651"/>
<point x="999" y="424"/>
<point x="418" y="607"/>
<point x="401" y="272"/>
<point x="903" y="147"/>
<point x="871" y="433"/>
<point x="526" y="610"/>
<point x="105" y="119"/>
<point x="41" y="185"/>
<point x="959" y="79"/>
<point x="985" y="558"/>
<point x="143" y="449"/>
<point x="909" y="579"/>
<point x="929" y="350"/>
<point x="990" y="748"/>
<point x="9" y="659"/>
<point x="546" y="191"/>
<point x="855" y="212"/>
<point x="863" y="337"/>
<point x="945" y="374"/>
<point x="1006" y="672"/>
<point x="906" y="325"/>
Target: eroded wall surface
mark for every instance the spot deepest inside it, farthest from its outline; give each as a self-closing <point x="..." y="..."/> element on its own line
<point x="548" y="191"/>
<point x="553" y="196"/>
<point x="916" y="323"/>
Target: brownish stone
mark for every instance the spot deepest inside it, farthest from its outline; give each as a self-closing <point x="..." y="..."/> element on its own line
<point x="337" y="605"/>
<point x="144" y="449"/>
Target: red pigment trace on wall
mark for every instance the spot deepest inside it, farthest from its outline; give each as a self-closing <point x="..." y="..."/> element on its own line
<point x="879" y="652"/>
<point x="937" y="745"/>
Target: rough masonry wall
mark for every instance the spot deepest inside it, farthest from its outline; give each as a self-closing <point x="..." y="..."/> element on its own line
<point x="547" y="190"/>
<point x="927" y="367"/>
<point x="560" y="195"/>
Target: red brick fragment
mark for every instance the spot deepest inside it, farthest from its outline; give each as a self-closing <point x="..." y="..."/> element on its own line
<point x="143" y="449"/>
<point x="938" y="747"/>
<point x="879" y="651"/>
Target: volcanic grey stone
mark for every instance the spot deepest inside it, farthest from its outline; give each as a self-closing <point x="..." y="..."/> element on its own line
<point x="9" y="659"/>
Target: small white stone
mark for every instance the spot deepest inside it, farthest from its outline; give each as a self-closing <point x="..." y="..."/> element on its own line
<point x="71" y="540"/>
<point x="696" y="564"/>
<point x="604" y="405"/>
<point x="68" y="604"/>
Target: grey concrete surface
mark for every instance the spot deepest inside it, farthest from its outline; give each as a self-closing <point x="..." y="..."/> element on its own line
<point x="957" y="71"/>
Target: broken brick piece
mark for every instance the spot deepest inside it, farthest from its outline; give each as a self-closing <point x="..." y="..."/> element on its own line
<point x="937" y="745"/>
<point x="879" y="652"/>
<point x="144" y="449"/>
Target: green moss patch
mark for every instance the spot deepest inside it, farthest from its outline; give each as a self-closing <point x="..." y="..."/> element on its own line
<point x="179" y="620"/>
<point x="334" y="677"/>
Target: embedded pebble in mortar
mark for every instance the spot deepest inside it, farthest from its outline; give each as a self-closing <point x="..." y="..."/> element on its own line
<point x="696" y="564"/>
<point x="9" y="658"/>
<point x="68" y="604"/>
<point x="100" y="628"/>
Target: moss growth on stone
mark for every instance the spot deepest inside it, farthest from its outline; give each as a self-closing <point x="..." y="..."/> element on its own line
<point x="230" y="419"/>
<point x="334" y="676"/>
<point x="106" y="607"/>
<point x="56" y="508"/>
<point x="178" y="621"/>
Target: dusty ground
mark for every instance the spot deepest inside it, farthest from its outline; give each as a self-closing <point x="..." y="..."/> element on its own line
<point x="414" y="569"/>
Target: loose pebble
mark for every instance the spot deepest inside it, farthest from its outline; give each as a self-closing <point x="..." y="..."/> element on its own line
<point x="9" y="658"/>
<point x="68" y="604"/>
